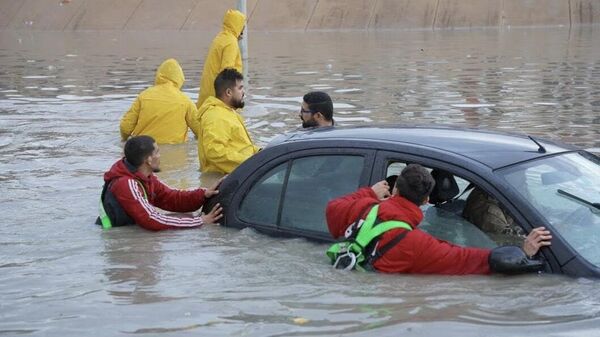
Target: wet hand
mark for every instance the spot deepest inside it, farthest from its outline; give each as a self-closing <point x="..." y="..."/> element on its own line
<point x="214" y="215"/>
<point x="381" y="189"/>
<point x="539" y="237"/>
<point x="209" y="192"/>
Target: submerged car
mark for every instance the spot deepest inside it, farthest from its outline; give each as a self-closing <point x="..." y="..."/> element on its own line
<point x="284" y="189"/>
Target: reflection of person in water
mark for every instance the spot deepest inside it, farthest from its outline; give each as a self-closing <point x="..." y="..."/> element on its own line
<point x="485" y="212"/>
<point x="133" y="264"/>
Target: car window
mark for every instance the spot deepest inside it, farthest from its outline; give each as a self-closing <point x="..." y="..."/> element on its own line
<point x="463" y="213"/>
<point x="261" y="204"/>
<point x="565" y="190"/>
<point x="314" y="181"/>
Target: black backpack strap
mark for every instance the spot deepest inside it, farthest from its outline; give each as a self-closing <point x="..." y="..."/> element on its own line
<point x="113" y="208"/>
<point x="377" y="253"/>
<point x="102" y="197"/>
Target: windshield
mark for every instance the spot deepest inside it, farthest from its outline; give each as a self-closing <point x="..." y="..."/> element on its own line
<point x="565" y="189"/>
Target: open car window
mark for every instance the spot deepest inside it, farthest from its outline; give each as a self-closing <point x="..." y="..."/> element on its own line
<point x="464" y="214"/>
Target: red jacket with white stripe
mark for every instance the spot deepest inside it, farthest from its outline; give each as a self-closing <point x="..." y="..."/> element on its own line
<point x="418" y="252"/>
<point x="127" y="189"/>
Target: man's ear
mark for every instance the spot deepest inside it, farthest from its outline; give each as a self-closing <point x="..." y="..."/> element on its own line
<point x="228" y="92"/>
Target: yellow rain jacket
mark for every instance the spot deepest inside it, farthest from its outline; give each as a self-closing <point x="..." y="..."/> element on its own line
<point x="224" y="53"/>
<point x="161" y="111"/>
<point x="223" y="141"/>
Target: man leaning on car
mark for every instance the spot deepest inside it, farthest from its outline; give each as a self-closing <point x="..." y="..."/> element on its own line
<point x="406" y="249"/>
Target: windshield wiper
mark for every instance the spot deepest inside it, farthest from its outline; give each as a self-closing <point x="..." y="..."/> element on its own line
<point x="593" y="205"/>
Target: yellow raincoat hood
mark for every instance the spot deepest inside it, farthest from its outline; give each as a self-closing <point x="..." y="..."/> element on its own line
<point x="223" y="141"/>
<point x="233" y="22"/>
<point x="170" y="71"/>
<point x="224" y="53"/>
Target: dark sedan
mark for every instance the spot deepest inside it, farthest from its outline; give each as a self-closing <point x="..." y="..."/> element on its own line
<point x="283" y="190"/>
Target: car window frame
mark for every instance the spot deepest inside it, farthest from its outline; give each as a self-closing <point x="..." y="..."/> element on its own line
<point x="564" y="256"/>
<point x="431" y="160"/>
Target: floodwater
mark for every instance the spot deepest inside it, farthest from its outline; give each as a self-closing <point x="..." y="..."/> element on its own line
<point x="61" y="97"/>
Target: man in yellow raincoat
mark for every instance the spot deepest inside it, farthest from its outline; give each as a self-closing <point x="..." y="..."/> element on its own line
<point x="224" y="53"/>
<point x="223" y="141"/>
<point x="161" y="111"/>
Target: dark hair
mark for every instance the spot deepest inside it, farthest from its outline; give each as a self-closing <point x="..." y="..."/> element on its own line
<point x="226" y="79"/>
<point x="138" y="148"/>
<point x="319" y="101"/>
<point x="415" y="183"/>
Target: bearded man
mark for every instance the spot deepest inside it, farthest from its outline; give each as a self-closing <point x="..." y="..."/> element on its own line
<point x="223" y="141"/>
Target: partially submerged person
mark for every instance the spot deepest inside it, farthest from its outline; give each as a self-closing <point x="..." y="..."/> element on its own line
<point x="485" y="212"/>
<point x="132" y="193"/>
<point x="162" y="111"/>
<point x="223" y="141"/>
<point x="224" y="53"/>
<point x="316" y="110"/>
<point x="382" y="234"/>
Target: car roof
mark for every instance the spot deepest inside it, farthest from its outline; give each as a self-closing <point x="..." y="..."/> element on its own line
<point x="491" y="148"/>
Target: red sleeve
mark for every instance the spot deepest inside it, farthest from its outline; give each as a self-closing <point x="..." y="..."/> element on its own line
<point x="131" y="197"/>
<point x="421" y="253"/>
<point x="344" y="210"/>
<point x="173" y="200"/>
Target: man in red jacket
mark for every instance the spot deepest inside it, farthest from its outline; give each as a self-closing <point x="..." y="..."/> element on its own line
<point x="132" y="192"/>
<point x="413" y="251"/>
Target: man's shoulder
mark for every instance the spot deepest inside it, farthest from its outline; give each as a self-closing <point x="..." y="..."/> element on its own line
<point x="149" y="90"/>
<point x="222" y="40"/>
<point x="184" y="98"/>
<point x="124" y="185"/>
<point x="218" y="113"/>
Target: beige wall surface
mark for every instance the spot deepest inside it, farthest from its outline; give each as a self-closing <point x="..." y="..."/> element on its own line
<point x="403" y="14"/>
<point x="585" y="11"/>
<point x="99" y="14"/>
<point x="468" y="13"/>
<point x="342" y="14"/>
<point x="8" y="9"/>
<point x="536" y="13"/>
<point x="275" y="15"/>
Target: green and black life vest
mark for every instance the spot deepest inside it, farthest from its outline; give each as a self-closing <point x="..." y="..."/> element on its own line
<point x="360" y="250"/>
<point x="112" y="213"/>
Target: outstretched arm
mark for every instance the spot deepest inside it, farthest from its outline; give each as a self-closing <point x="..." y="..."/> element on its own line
<point x="132" y="198"/>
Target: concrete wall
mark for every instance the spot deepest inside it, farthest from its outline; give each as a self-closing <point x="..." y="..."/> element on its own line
<point x="274" y="15"/>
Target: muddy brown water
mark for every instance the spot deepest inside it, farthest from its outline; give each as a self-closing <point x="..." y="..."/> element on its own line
<point x="61" y="97"/>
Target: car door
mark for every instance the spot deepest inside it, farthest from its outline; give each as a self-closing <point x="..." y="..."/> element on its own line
<point x="447" y="223"/>
<point x="287" y="196"/>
